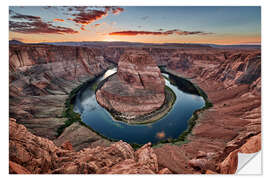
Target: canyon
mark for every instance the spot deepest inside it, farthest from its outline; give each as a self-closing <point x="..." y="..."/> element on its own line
<point x="42" y="76"/>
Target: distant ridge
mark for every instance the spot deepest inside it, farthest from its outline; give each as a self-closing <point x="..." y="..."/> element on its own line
<point x="123" y="43"/>
<point x="138" y="44"/>
<point x="237" y="46"/>
<point x="15" y="42"/>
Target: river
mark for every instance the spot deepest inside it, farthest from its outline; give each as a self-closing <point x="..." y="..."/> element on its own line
<point x="169" y="126"/>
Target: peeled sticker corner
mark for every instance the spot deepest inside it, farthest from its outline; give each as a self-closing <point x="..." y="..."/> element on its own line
<point x="249" y="164"/>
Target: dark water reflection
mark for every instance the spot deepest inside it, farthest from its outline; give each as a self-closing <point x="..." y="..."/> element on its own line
<point x="170" y="126"/>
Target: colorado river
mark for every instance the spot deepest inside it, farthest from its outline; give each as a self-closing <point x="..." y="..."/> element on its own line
<point x="170" y="126"/>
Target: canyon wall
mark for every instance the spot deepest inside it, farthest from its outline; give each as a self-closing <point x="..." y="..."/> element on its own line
<point x="40" y="80"/>
<point x="232" y="81"/>
<point x="42" y="76"/>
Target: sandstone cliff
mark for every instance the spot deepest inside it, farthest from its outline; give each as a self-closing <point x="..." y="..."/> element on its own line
<point x="40" y="80"/>
<point x="42" y="76"/>
<point x="234" y="118"/>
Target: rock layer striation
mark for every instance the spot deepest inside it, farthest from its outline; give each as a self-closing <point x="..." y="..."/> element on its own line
<point x="42" y="76"/>
<point x="30" y="154"/>
<point x="136" y="89"/>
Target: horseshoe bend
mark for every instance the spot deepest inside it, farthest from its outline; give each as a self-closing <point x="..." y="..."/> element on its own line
<point x="137" y="88"/>
<point x="48" y="135"/>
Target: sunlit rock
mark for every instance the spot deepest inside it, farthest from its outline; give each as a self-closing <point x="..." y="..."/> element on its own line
<point x="136" y="89"/>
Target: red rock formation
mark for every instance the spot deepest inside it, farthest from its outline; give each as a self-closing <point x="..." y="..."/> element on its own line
<point x="234" y="118"/>
<point x="67" y="146"/>
<point x="136" y="89"/>
<point x="41" y="77"/>
<point x="229" y="165"/>
<point x="165" y="171"/>
<point x="32" y="154"/>
<point x="15" y="168"/>
<point x="139" y="70"/>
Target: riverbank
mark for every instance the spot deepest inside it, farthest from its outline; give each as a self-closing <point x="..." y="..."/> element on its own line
<point x="233" y="118"/>
<point x="68" y="112"/>
<point x="151" y="118"/>
<point x="169" y="100"/>
<point x="182" y="138"/>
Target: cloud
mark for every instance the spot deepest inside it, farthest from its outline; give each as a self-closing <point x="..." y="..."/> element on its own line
<point x="164" y="33"/>
<point x="99" y="24"/>
<point x="83" y="28"/>
<point x="87" y="16"/>
<point x="60" y="20"/>
<point x="25" y="17"/>
<point x="39" y="27"/>
<point x="34" y="25"/>
<point x="81" y="15"/>
<point x="117" y="10"/>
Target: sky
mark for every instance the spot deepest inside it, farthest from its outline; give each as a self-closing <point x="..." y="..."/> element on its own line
<point x="147" y="24"/>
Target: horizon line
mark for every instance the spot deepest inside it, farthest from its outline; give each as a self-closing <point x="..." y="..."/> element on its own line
<point x="248" y="43"/>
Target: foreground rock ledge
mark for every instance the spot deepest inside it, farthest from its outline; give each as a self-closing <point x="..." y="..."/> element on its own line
<point x="136" y="89"/>
<point x="30" y="154"/>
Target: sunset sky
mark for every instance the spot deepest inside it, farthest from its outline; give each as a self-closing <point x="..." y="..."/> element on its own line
<point x="215" y="25"/>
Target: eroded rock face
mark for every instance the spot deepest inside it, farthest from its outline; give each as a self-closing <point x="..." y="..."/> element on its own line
<point x="136" y="89"/>
<point x="229" y="165"/>
<point x="30" y="154"/>
<point x="140" y="71"/>
<point x="234" y="119"/>
<point x="42" y="76"/>
<point x="40" y="80"/>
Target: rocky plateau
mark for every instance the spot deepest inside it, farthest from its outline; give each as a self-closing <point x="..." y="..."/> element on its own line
<point x="136" y="89"/>
<point x="42" y="76"/>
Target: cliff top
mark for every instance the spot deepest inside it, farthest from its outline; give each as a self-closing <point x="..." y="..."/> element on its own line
<point x="137" y="57"/>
